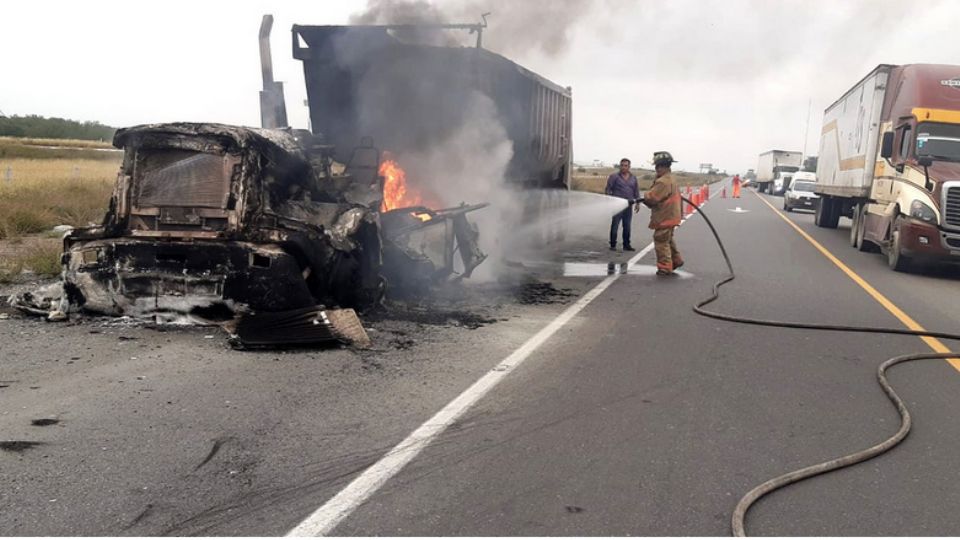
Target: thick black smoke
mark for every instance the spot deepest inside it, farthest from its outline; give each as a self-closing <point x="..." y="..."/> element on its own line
<point x="515" y="27"/>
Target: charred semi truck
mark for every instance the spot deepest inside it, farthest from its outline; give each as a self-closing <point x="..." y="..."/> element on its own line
<point x="890" y="161"/>
<point x="212" y="221"/>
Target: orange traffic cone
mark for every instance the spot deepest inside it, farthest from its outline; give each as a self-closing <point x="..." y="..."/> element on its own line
<point x="723" y="192"/>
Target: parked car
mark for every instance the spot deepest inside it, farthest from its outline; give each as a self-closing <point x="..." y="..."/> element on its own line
<point x="800" y="195"/>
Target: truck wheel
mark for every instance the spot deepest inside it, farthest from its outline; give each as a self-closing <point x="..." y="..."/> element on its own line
<point x="831" y="217"/>
<point x="896" y="260"/>
<point x="825" y="213"/>
<point x="854" y="226"/>
<point x="863" y="244"/>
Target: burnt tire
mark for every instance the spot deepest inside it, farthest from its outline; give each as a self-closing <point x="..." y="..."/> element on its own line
<point x="896" y="260"/>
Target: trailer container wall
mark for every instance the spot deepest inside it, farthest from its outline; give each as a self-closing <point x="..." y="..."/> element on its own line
<point x="849" y="138"/>
<point x="361" y="81"/>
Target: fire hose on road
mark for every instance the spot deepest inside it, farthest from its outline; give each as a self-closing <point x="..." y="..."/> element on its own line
<point x="752" y="496"/>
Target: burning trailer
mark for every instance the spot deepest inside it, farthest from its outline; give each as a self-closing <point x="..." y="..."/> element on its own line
<point x="412" y="91"/>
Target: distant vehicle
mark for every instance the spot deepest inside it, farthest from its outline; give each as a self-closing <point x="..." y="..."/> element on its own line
<point x="782" y="183"/>
<point x="800" y="193"/>
<point x="749" y="177"/>
<point x="777" y="165"/>
<point x="890" y="161"/>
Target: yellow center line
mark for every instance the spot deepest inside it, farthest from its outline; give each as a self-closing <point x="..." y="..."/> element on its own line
<point x="907" y="321"/>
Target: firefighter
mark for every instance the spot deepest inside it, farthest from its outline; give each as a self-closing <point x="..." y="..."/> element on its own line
<point x="736" y="186"/>
<point x="663" y="199"/>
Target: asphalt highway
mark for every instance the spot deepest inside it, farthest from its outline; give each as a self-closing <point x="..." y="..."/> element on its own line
<point x="633" y="416"/>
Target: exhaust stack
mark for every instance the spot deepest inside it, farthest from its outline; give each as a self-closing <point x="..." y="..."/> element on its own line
<point x="273" y="108"/>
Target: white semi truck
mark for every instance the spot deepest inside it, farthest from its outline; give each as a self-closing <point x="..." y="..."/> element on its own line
<point x="777" y="165"/>
<point x="890" y="161"/>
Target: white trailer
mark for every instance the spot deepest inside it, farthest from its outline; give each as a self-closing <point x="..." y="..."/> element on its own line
<point x="776" y="164"/>
<point x="849" y="138"/>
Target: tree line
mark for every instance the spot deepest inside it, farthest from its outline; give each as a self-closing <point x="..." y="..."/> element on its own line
<point x="53" y="128"/>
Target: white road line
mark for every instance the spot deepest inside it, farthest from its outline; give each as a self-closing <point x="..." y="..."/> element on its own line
<point x="328" y="516"/>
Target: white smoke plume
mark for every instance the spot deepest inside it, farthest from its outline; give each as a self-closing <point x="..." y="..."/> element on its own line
<point x="471" y="163"/>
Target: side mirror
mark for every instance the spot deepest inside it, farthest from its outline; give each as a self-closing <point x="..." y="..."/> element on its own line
<point x="886" y="146"/>
<point x="925" y="161"/>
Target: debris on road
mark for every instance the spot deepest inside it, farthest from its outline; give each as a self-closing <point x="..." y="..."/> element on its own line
<point x="300" y="327"/>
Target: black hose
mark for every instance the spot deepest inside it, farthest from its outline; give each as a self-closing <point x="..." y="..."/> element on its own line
<point x="752" y="496"/>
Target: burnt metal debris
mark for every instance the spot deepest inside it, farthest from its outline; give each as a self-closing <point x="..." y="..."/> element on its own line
<point x="209" y="221"/>
<point x="299" y="328"/>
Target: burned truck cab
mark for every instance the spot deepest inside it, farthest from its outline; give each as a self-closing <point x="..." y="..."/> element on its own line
<point x="210" y="221"/>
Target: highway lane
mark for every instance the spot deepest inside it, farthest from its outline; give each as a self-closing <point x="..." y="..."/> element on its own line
<point x="170" y="431"/>
<point x="929" y="293"/>
<point x="636" y="417"/>
<point x="641" y="418"/>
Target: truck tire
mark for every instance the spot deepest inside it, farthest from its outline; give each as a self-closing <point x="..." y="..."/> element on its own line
<point x="862" y="244"/>
<point x="854" y="226"/>
<point x="832" y="218"/>
<point x="896" y="260"/>
<point x="828" y="213"/>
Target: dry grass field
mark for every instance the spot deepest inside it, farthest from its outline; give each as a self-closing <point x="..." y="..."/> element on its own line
<point x="39" y="193"/>
<point x="47" y="149"/>
<point x="36" y="195"/>
<point x="594" y="179"/>
<point x="65" y="143"/>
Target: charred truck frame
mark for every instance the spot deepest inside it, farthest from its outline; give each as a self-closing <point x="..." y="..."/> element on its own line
<point x="213" y="221"/>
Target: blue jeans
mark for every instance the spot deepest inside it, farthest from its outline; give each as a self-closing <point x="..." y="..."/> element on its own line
<point x="626" y="217"/>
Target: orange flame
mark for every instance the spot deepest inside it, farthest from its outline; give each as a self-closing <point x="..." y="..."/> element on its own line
<point x="396" y="192"/>
<point x="423" y="216"/>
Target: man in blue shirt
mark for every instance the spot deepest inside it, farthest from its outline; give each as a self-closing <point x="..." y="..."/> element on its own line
<point x="622" y="184"/>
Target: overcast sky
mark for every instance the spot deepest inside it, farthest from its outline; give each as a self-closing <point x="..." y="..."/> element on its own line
<point x="710" y="81"/>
